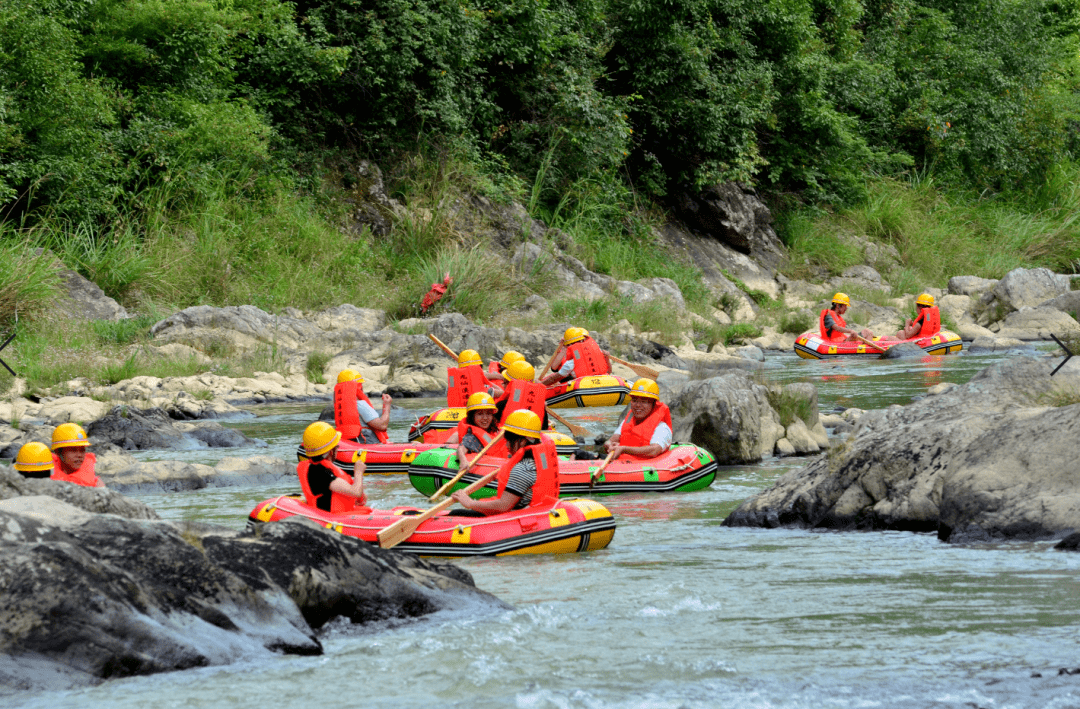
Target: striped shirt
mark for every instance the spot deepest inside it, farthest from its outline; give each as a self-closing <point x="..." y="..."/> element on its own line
<point x="521" y="481"/>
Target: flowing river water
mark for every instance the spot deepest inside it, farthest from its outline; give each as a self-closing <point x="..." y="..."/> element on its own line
<point x="678" y="611"/>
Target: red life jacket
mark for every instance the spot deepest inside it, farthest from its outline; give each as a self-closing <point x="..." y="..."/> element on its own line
<point x="589" y="359"/>
<point x="346" y="417"/>
<point x="545" y="491"/>
<point x="931" y="322"/>
<point x="499" y="449"/>
<point x="524" y="395"/>
<point x="462" y="382"/>
<point x="836" y="336"/>
<point x="495" y="367"/>
<point x="338" y="503"/>
<point x="84" y="476"/>
<point x="639" y="434"/>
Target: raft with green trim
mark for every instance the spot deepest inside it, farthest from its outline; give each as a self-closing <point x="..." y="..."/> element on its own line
<point x="683" y="468"/>
<point x="379" y="458"/>
<point x="566" y="527"/>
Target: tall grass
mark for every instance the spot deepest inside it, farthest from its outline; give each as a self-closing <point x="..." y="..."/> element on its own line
<point x="28" y="281"/>
<point x="656" y="316"/>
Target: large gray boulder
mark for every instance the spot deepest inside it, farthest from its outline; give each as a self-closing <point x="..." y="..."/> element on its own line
<point x="143" y="429"/>
<point x="971" y="286"/>
<point x="735" y="216"/>
<point x="927" y="466"/>
<point x="88" y="499"/>
<point x="89" y="597"/>
<point x="1036" y="323"/>
<point x="174" y="475"/>
<point x="1020" y="288"/>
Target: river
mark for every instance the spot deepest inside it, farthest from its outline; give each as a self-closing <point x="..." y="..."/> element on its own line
<point x="678" y="611"/>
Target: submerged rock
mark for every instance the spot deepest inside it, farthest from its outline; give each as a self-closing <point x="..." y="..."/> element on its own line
<point x="903" y="350"/>
<point x="143" y="429"/>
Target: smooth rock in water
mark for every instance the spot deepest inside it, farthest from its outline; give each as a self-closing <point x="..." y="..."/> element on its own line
<point x="175" y="475"/>
<point x="750" y="352"/>
<point x="143" y="429"/>
<point x="994" y="344"/>
<point x="784" y="449"/>
<point x="798" y="435"/>
<point x="1069" y="543"/>
<point x="903" y="350"/>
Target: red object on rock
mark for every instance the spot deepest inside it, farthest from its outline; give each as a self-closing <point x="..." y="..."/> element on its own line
<point x="436" y="292"/>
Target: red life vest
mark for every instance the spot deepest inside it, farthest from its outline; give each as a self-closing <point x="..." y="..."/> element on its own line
<point x="524" y="395"/>
<point x="930" y="318"/>
<point x="495" y="367"/>
<point x="545" y="491"/>
<point x="338" y="503"/>
<point x="483" y="436"/>
<point x="463" y="381"/>
<point x="836" y="336"/>
<point x="589" y="359"/>
<point x="639" y="434"/>
<point x="346" y="417"/>
<point x="84" y="476"/>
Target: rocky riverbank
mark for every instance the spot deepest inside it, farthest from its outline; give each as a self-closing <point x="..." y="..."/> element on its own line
<point x="992" y="459"/>
<point x="95" y="586"/>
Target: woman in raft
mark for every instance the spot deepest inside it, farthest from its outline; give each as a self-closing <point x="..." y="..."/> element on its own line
<point x="478" y="428"/>
<point x="530" y="477"/>
<point x="327" y="487"/>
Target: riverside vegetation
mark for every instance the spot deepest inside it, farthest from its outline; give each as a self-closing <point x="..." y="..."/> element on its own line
<point x="203" y="151"/>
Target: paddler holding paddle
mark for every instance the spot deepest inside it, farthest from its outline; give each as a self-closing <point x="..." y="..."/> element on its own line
<point x="478" y="429"/>
<point x="832" y="325"/>
<point x="530" y="476"/>
<point x="646" y="433"/>
<point x="326" y="486"/>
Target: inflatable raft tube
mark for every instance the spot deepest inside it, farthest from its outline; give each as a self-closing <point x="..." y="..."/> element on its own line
<point x="567" y="527"/>
<point x="437" y="426"/>
<point x="683" y="468"/>
<point x="380" y="458"/>
<point x="598" y="390"/>
<point x="811" y="345"/>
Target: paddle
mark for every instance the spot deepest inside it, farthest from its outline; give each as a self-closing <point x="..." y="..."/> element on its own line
<point x="638" y="369"/>
<point x="550" y="361"/>
<point x="600" y="471"/>
<point x="873" y="344"/>
<point x="403" y="529"/>
<point x="443" y="490"/>
<point x="443" y="347"/>
<point x="575" y="430"/>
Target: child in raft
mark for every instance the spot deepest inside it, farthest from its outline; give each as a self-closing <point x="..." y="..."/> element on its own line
<point x="327" y="487"/>
<point x="72" y="463"/>
<point x="478" y="428"/>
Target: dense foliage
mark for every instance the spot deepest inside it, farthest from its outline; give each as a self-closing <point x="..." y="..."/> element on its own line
<point x="102" y="99"/>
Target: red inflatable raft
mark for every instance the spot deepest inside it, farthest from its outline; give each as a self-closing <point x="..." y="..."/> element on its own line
<point x="437" y="426"/>
<point x="380" y="458"/>
<point x="568" y="526"/>
<point x="811" y="345"/>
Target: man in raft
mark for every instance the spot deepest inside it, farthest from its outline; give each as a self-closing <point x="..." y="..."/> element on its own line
<point x="72" y="463"/>
<point x="497" y="367"/>
<point x="583" y="358"/>
<point x="354" y="415"/>
<point x="467" y="378"/>
<point x="831" y="321"/>
<point x="646" y="433"/>
<point x="927" y="322"/>
<point x="529" y="478"/>
<point x="327" y="487"/>
<point x="478" y="428"/>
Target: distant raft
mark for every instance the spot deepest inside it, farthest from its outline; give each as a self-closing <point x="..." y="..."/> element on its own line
<point x="683" y="468"/>
<point x="567" y="527"/>
<point x="811" y="345"/>
<point x="594" y="390"/>
<point x="380" y="458"/>
<point x="437" y="426"/>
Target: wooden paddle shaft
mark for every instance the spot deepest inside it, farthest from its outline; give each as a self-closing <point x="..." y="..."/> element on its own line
<point x="574" y="429"/>
<point x="442" y="346"/>
<point x="638" y="369"/>
<point x="550" y="361"/>
<point x="401" y="530"/>
<point x="600" y="471"/>
<point x="873" y="344"/>
<point x="442" y="490"/>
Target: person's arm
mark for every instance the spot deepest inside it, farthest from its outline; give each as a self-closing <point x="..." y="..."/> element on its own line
<point x="357" y="488"/>
<point x="565" y="372"/>
<point x="377" y="423"/>
<point x="612" y="442"/>
<point x="462" y="456"/>
<point x="489" y="506"/>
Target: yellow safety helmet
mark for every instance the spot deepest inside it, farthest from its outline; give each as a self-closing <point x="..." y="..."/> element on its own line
<point x="646" y="389"/>
<point x="841" y="299"/>
<point x="524" y="423"/>
<point x="574" y="334"/>
<point x="479" y="400"/>
<point x="511" y="357"/>
<point x="519" y="370"/>
<point x="349" y="375"/>
<point x="468" y="357"/>
<point x="69" y="435"/>
<point x="320" y="438"/>
<point x="925" y="299"/>
<point x="33" y="456"/>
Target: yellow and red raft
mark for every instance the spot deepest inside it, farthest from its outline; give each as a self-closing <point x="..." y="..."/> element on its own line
<point x="811" y="345"/>
<point x="570" y="525"/>
<point x="380" y="458"/>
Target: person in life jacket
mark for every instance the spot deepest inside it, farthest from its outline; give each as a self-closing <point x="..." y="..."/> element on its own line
<point x="354" y="415"/>
<point x="327" y="487"/>
<point x="34" y="460"/>
<point x="530" y="478"/>
<point x="467" y="378"/>
<point x="583" y="358"/>
<point x="72" y="463"/>
<point x="646" y="433"/>
<point x="522" y="393"/>
<point x="831" y="321"/>
<point x="497" y="367"/>
<point x="927" y="321"/>
<point x="478" y="428"/>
